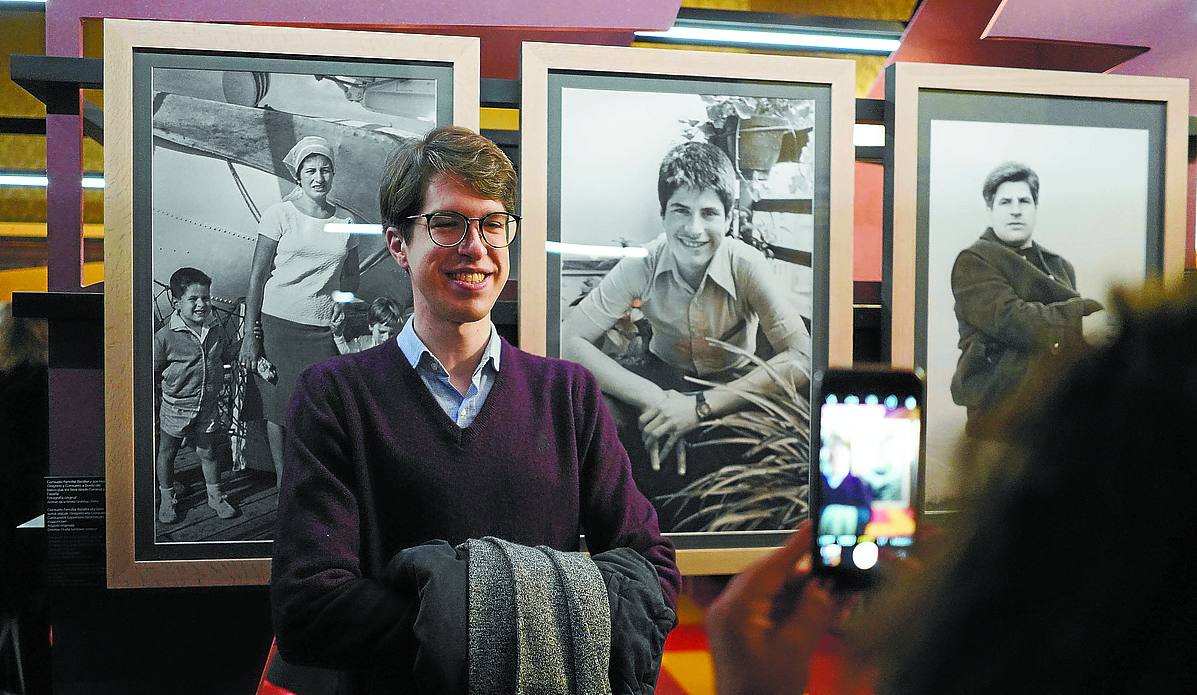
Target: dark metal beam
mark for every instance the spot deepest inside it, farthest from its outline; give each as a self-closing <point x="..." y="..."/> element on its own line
<point x="56" y="81"/>
<point x="36" y="73"/>
<point x="870" y="110"/>
<point x="93" y="122"/>
<point x="499" y="93"/>
<point x="870" y="154"/>
<point x="11" y="125"/>
<point x="25" y="6"/>
<point x="59" y="306"/>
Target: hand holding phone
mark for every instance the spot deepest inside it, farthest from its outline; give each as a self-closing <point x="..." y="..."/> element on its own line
<point x="765" y="626"/>
<point x="866" y="484"/>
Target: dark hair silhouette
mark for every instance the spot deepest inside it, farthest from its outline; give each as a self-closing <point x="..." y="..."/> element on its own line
<point x="1070" y="570"/>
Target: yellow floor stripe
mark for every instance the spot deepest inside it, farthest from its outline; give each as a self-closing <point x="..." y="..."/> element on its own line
<point x="693" y="671"/>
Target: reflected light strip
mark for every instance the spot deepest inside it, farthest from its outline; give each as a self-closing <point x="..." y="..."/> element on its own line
<point x="868" y="135"/>
<point x="369" y="229"/>
<point x="595" y="251"/>
<point x="791" y="39"/>
<point x="41" y="181"/>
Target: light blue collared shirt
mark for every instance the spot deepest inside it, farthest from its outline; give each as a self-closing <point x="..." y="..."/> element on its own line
<point x="461" y="409"/>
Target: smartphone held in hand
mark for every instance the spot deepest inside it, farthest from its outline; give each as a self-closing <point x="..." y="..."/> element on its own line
<point x="866" y="489"/>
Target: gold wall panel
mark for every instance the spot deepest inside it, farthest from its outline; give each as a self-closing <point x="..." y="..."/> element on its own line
<point x="29" y="205"/>
<point x="21" y="33"/>
<point x="28" y="153"/>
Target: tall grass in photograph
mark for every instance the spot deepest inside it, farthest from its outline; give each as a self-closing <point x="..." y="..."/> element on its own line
<point x="767" y="488"/>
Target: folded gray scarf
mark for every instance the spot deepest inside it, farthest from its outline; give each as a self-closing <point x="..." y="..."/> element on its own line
<point x="539" y="621"/>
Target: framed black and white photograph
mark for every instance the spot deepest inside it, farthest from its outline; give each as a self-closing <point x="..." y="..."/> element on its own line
<point x="242" y="245"/>
<point x="1021" y="198"/>
<point x="695" y="222"/>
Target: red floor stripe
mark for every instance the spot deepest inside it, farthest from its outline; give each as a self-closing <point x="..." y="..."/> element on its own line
<point x="687" y="638"/>
<point x="832" y="671"/>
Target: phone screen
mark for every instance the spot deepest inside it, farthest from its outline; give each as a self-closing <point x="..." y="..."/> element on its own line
<point x="867" y="474"/>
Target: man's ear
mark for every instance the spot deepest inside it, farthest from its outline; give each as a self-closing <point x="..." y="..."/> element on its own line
<point x="397" y="246"/>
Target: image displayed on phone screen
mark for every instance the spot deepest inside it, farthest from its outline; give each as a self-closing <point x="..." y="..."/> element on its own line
<point x="868" y="463"/>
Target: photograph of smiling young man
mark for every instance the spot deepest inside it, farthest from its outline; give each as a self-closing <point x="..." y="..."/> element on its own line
<point x="446" y="432"/>
<point x="1013" y="297"/>
<point x="695" y="282"/>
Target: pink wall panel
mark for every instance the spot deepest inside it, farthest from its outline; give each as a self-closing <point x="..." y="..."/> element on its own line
<point x="867" y="221"/>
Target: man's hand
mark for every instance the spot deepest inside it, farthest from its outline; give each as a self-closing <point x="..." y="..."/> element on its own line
<point x="673" y="413"/>
<point x="666" y="421"/>
<point x="764" y="627"/>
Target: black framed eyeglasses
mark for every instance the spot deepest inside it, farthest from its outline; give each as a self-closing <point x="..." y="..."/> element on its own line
<point x="448" y="228"/>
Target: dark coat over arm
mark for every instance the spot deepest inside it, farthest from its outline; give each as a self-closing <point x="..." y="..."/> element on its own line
<point x="1008" y="309"/>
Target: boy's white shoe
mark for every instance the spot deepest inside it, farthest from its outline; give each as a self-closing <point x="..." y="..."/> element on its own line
<point x="166" y="508"/>
<point x="220" y="504"/>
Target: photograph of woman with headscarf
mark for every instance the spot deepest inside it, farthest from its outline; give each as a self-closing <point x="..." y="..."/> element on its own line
<point x="267" y="184"/>
<point x="299" y="261"/>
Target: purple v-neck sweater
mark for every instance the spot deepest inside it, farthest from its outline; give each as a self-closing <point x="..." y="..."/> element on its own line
<point x="373" y="465"/>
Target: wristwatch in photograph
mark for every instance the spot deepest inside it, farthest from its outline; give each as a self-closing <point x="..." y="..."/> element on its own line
<point x="701" y="407"/>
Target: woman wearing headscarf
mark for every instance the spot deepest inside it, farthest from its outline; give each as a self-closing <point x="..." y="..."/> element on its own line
<point x="298" y="263"/>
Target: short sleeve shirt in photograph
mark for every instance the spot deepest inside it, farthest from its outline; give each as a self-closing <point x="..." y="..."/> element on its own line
<point x="307" y="263"/>
<point x="738" y="293"/>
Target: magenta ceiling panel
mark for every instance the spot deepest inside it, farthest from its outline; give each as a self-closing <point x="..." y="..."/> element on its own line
<point x="1140" y="23"/>
<point x="950" y="31"/>
<point x="618" y="14"/>
<point x="1140" y="37"/>
<point x="63" y="16"/>
<point x="1167" y="28"/>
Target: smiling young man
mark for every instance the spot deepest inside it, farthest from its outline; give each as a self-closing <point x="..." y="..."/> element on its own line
<point x="695" y="283"/>
<point x="1014" y="298"/>
<point x="447" y="432"/>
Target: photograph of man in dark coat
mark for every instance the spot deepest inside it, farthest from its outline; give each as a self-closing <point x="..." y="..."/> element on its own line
<point x="1013" y="298"/>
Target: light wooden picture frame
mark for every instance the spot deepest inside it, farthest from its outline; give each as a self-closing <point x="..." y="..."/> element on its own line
<point x="596" y="124"/>
<point x="1108" y="153"/>
<point x="198" y="118"/>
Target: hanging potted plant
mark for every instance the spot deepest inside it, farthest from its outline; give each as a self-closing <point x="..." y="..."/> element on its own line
<point x="756" y="132"/>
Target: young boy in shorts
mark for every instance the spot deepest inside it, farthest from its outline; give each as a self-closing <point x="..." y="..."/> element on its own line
<point x="190" y="352"/>
<point x="383" y="318"/>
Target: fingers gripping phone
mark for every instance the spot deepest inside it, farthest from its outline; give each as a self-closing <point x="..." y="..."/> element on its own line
<point x="866" y="487"/>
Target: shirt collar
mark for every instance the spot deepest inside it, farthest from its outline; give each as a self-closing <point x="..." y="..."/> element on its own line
<point x="176" y="323"/>
<point x="414" y="349"/>
<point x="718" y="270"/>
